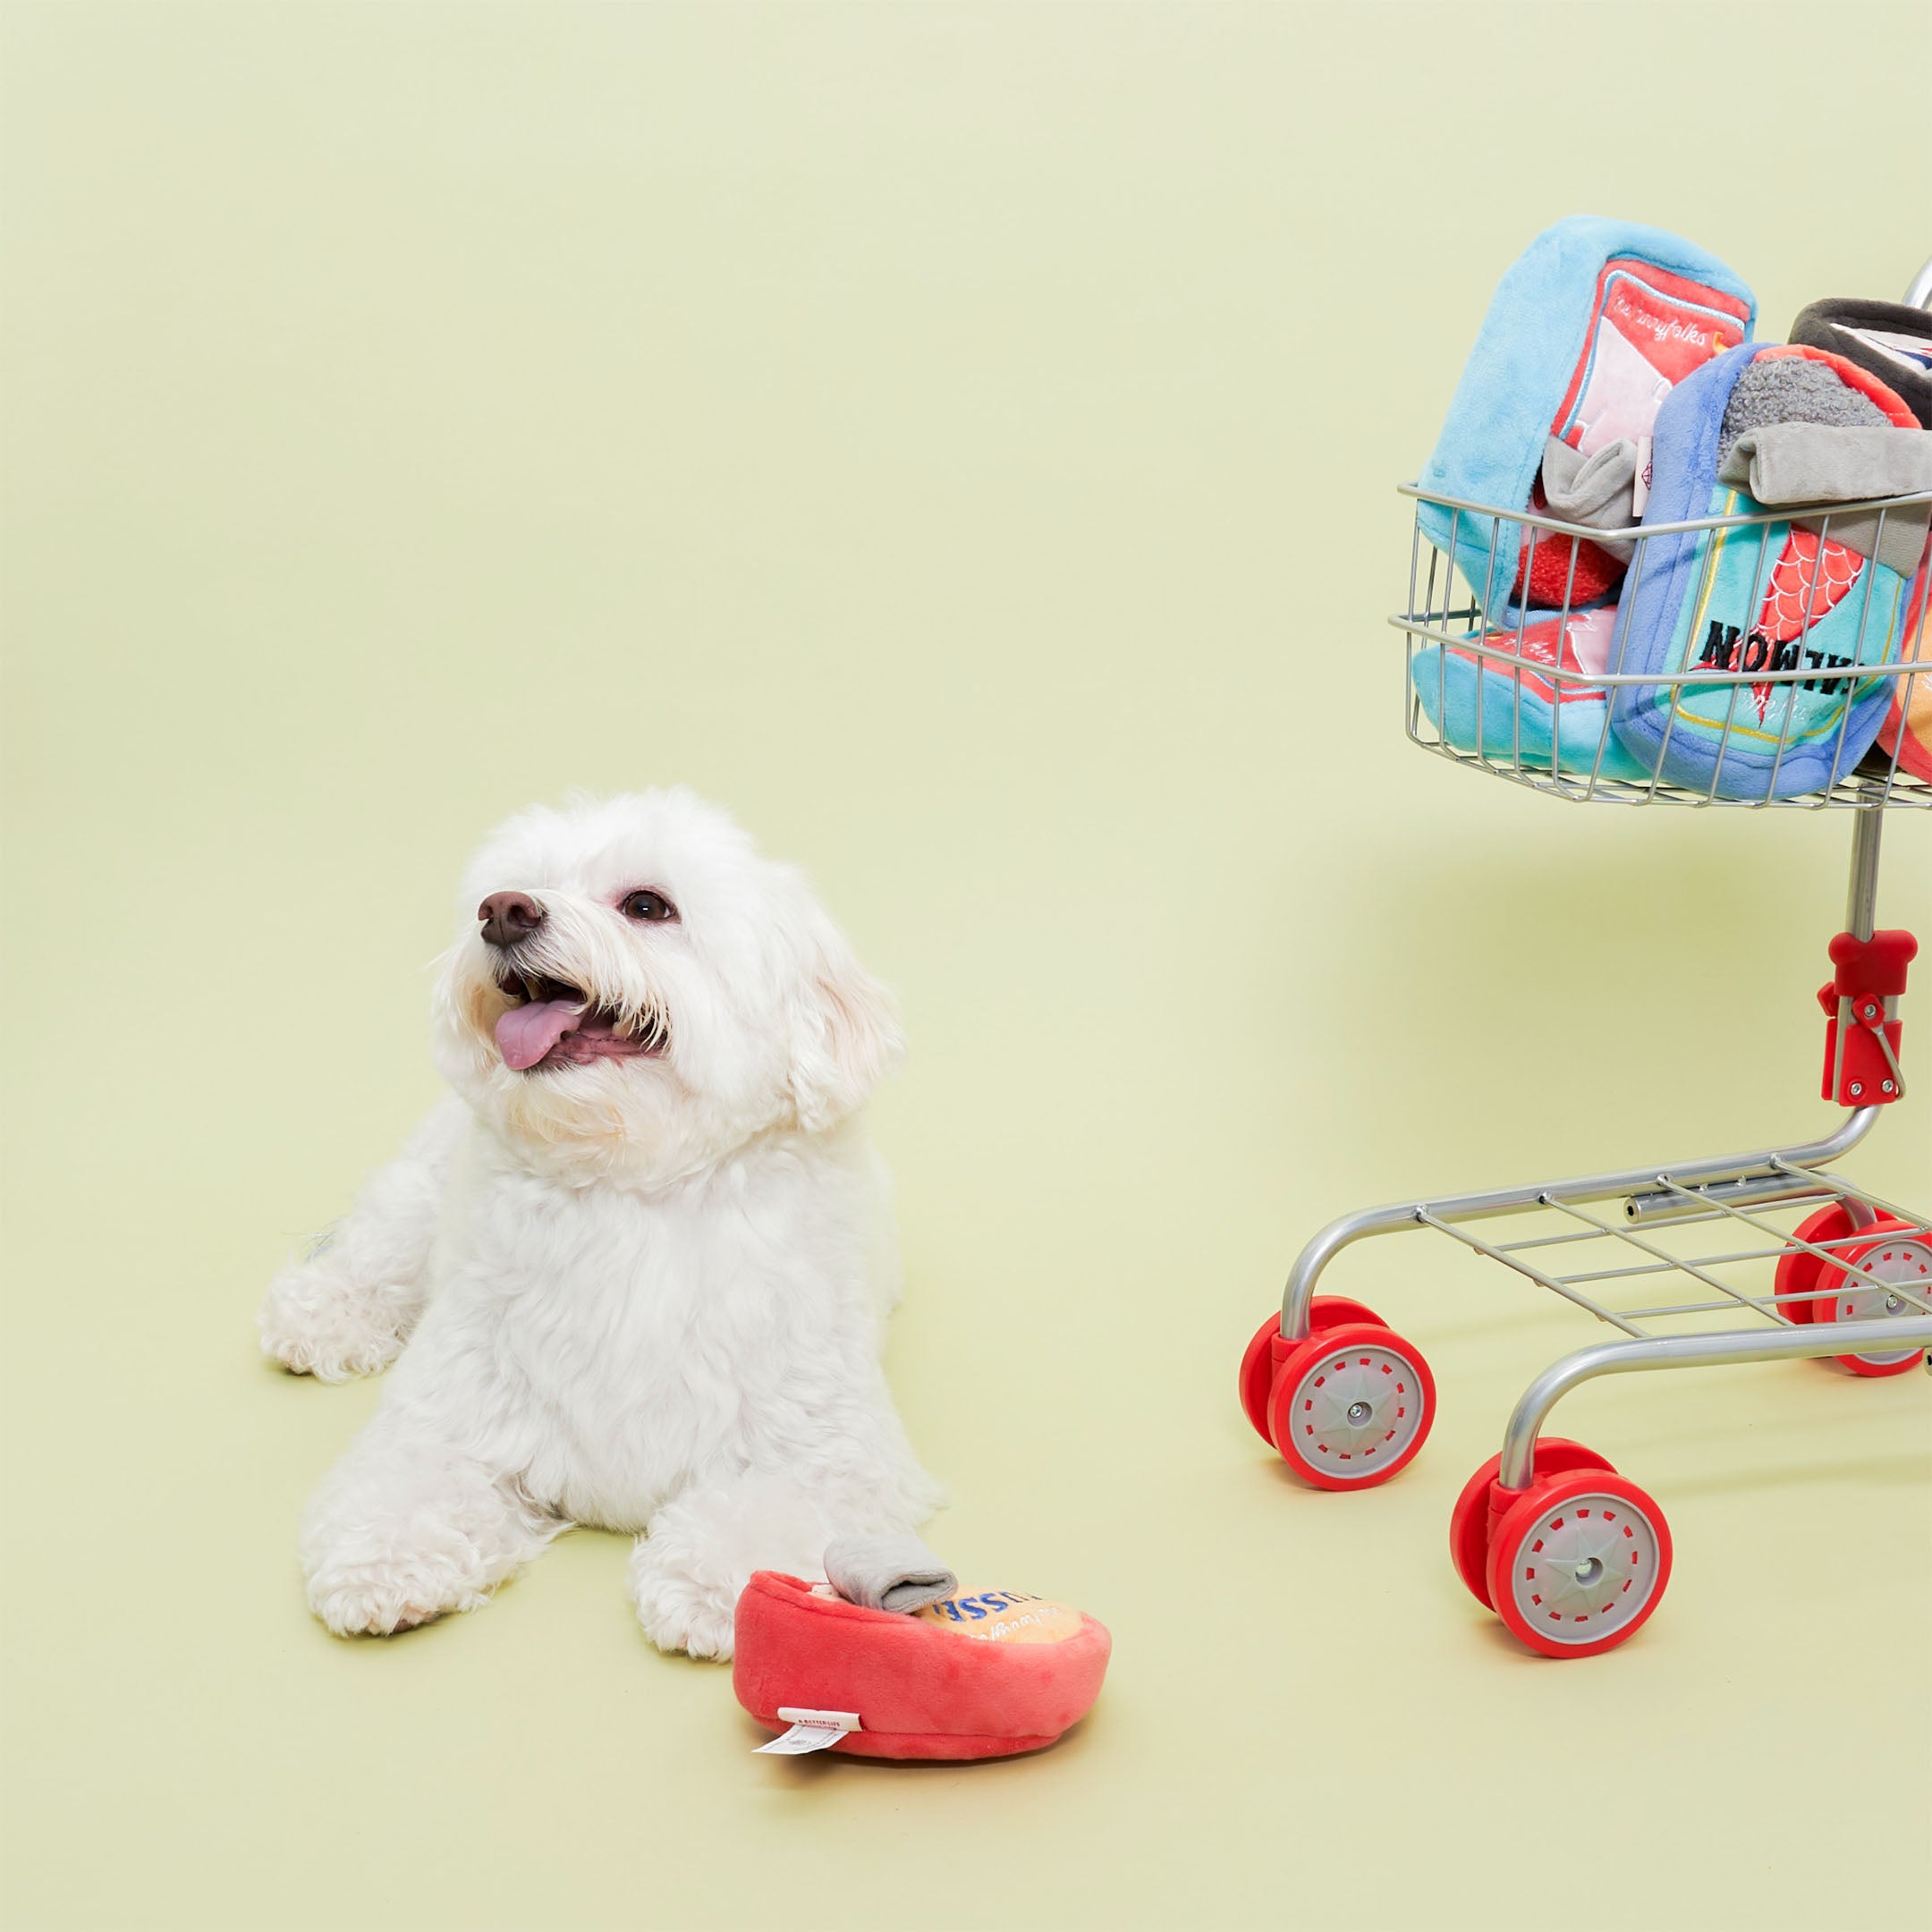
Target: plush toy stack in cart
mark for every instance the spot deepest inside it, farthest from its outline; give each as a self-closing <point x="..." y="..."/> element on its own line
<point x="1656" y="561"/>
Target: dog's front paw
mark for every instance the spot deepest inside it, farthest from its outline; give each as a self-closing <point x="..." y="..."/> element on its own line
<point x="377" y="1598"/>
<point x="316" y="1323"/>
<point x="680" y="1610"/>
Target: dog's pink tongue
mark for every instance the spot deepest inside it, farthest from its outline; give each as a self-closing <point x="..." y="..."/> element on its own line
<point x="525" y="1034"/>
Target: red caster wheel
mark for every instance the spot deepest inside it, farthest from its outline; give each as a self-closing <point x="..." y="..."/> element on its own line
<point x="1469" y="1521"/>
<point x="1352" y="1406"/>
<point x="1798" y="1272"/>
<point x="1578" y="1563"/>
<point x="1268" y="1350"/>
<point x="1895" y="1252"/>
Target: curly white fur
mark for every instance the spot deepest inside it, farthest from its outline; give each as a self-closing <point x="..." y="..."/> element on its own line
<point x="645" y="1294"/>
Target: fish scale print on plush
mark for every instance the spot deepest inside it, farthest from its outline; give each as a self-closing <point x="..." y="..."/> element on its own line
<point x="1780" y="597"/>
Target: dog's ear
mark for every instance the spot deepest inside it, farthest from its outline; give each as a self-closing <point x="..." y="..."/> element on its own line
<point x="845" y="1034"/>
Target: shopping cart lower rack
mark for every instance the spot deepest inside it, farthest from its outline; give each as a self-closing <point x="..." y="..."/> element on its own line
<point x="1761" y="1256"/>
<point x="1756" y="1257"/>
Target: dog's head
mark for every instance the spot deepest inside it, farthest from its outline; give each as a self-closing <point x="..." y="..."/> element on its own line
<point x="637" y="991"/>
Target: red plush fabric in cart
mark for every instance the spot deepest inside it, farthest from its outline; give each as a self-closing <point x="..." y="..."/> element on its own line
<point x="979" y="1675"/>
<point x="1906" y="734"/>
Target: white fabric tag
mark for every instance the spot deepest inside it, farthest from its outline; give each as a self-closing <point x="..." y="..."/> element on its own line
<point x="811" y="1731"/>
<point x="1641" y="487"/>
<point x="1911" y="352"/>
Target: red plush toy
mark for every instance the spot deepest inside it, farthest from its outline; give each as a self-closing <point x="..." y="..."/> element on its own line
<point x="967" y="1676"/>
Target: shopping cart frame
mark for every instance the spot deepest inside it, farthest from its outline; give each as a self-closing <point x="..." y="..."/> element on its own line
<point x="1334" y="1389"/>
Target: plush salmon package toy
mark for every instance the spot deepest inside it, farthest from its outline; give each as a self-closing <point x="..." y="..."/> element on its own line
<point x="892" y="1660"/>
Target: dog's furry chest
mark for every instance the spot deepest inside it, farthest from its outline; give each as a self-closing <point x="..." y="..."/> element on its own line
<point x="622" y="1347"/>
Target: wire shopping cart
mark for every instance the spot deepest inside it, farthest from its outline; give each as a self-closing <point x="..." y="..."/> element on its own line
<point x="1759" y="1256"/>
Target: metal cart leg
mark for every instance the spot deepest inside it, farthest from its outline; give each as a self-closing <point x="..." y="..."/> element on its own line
<point x="1881" y="1334"/>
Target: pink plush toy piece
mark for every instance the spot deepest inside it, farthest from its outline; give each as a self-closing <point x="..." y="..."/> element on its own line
<point x="1906" y="734"/>
<point x="971" y="1676"/>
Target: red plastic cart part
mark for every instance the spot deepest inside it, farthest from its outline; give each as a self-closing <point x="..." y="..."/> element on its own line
<point x="1860" y="1002"/>
<point x="1268" y="1351"/>
<point x="1571" y="1595"/>
<point x="1798" y="1272"/>
<point x="1352" y="1406"/>
<point x="1897" y="1250"/>
<point x="1484" y="1503"/>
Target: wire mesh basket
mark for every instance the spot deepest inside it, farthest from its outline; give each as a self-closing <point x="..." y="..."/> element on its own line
<point x="1539" y="690"/>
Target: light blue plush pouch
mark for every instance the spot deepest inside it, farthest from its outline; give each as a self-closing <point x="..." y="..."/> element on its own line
<point x="1540" y="710"/>
<point x="1587" y="332"/>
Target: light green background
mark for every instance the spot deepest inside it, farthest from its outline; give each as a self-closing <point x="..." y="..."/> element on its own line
<point x="962" y="440"/>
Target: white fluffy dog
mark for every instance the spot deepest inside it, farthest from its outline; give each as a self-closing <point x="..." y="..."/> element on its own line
<point x="642" y="1256"/>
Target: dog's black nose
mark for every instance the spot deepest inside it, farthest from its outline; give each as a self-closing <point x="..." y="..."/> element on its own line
<point x="508" y="917"/>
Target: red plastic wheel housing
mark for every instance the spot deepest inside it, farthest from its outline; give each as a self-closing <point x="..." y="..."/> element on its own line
<point x="1631" y="1560"/>
<point x="1896" y="1250"/>
<point x="1797" y="1271"/>
<point x="1268" y="1351"/>
<point x="1483" y="1504"/>
<point x="1352" y="1406"/>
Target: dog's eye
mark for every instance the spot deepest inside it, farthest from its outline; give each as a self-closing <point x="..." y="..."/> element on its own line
<point x="646" y="905"/>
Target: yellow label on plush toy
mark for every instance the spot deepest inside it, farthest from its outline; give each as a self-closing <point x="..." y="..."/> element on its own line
<point x="1004" y="1617"/>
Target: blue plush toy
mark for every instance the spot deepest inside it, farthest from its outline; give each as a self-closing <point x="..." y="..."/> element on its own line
<point x="1802" y="595"/>
<point x="1586" y="334"/>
